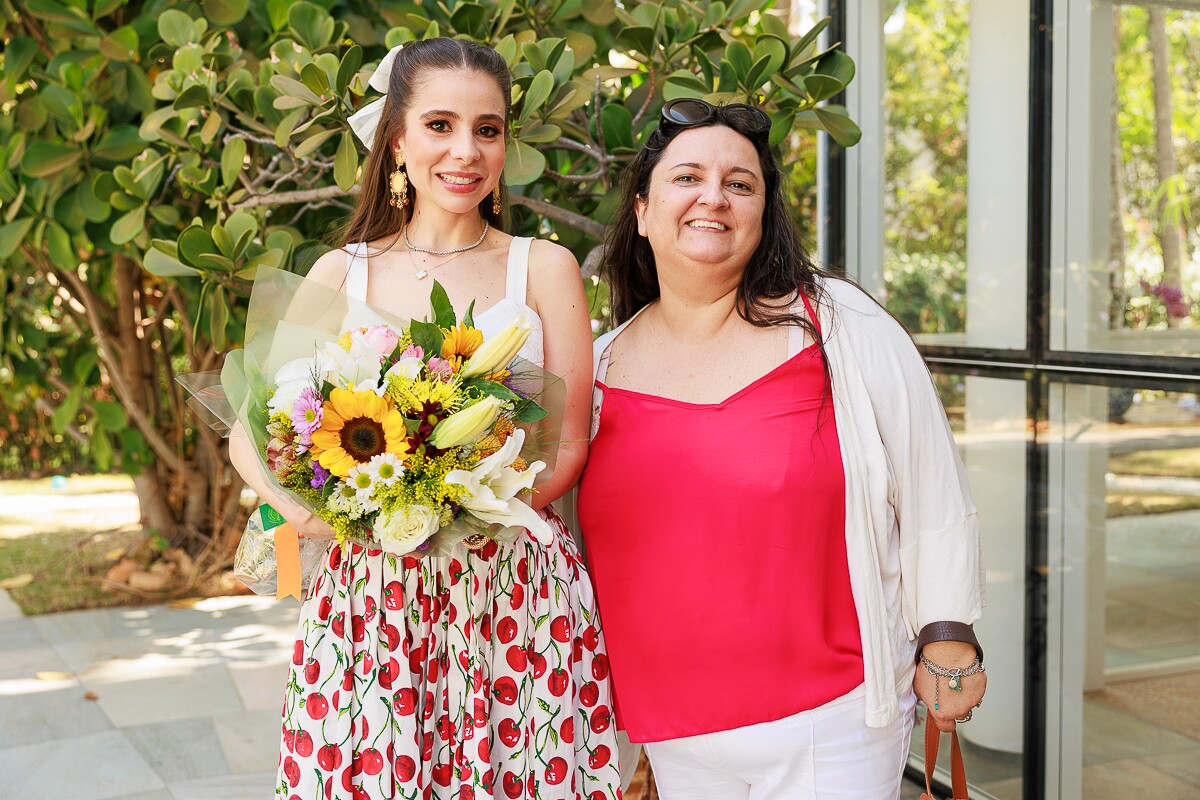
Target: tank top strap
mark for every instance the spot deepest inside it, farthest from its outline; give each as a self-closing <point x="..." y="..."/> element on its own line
<point x="516" y="282"/>
<point x="356" y="270"/>
<point x="796" y="333"/>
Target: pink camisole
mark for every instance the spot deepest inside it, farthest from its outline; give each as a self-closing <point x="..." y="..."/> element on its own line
<point x="716" y="541"/>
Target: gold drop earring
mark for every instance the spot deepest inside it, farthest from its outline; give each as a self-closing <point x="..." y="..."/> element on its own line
<point x="496" y="207"/>
<point x="399" y="184"/>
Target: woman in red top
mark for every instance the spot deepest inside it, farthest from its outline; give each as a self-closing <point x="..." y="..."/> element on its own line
<point x="715" y="504"/>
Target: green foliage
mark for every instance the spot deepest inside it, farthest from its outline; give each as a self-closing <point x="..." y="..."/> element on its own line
<point x="159" y="153"/>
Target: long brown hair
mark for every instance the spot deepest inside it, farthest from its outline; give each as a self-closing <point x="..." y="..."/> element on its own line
<point x="779" y="268"/>
<point x="374" y="217"/>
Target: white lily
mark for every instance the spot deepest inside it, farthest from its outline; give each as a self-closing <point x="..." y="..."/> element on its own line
<point x="356" y="369"/>
<point x="406" y="368"/>
<point x="294" y="377"/>
<point x="492" y="487"/>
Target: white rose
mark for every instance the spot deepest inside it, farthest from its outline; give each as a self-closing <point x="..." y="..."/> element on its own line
<point x="402" y="530"/>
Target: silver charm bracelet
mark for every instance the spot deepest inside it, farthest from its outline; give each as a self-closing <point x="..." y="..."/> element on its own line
<point x="955" y="680"/>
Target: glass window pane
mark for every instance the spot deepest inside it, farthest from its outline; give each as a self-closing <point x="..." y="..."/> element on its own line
<point x="988" y="416"/>
<point x="955" y="112"/>
<point x="1127" y="271"/>
<point x="1125" y="488"/>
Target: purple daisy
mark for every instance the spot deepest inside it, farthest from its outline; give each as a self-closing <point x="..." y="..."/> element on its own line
<point x="308" y="412"/>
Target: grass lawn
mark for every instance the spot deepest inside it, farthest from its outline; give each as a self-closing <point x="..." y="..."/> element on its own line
<point x="1183" y="463"/>
<point x="61" y="569"/>
<point x="1128" y="504"/>
<point x="76" y="484"/>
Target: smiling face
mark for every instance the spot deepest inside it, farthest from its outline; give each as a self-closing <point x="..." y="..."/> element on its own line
<point x="453" y="140"/>
<point x="705" y="200"/>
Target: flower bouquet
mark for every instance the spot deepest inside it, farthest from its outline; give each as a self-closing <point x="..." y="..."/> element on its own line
<point x="408" y="436"/>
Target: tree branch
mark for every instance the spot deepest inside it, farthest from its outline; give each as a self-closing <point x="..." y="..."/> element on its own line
<point x="108" y="351"/>
<point x="592" y="176"/>
<point x="563" y="143"/>
<point x="551" y="211"/>
<point x="35" y="31"/>
<point x="302" y="196"/>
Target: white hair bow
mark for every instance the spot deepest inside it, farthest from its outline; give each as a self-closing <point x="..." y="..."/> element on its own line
<point x="366" y="119"/>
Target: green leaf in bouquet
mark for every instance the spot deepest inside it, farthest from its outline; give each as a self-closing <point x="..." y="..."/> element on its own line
<point x="427" y="336"/>
<point x="469" y="317"/>
<point x="528" y="411"/>
<point x="443" y="311"/>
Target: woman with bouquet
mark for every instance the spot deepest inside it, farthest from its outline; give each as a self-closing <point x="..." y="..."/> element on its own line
<point x="482" y="672"/>
<point x="770" y="472"/>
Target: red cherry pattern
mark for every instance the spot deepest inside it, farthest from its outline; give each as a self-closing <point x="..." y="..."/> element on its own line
<point x="476" y="675"/>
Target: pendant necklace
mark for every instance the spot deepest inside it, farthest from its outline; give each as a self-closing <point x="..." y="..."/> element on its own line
<point x="421" y="273"/>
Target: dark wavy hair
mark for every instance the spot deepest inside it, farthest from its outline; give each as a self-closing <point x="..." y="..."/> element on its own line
<point x="779" y="268"/>
<point x="374" y="218"/>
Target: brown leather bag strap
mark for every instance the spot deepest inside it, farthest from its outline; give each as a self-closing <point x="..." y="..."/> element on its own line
<point x="958" y="775"/>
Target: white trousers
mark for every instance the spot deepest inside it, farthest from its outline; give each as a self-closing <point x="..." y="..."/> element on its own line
<point x="827" y="753"/>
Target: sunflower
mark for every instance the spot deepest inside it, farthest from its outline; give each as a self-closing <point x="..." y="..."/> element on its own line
<point x="357" y="426"/>
<point x="460" y="343"/>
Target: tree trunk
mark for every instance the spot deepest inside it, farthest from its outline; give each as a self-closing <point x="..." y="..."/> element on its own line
<point x="1169" y="236"/>
<point x="1116" y="208"/>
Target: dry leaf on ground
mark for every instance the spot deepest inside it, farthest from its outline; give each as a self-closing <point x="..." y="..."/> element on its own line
<point x="17" y="581"/>
<point x="91" y="696"/>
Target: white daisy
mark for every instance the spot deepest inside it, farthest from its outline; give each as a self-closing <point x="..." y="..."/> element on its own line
<point x="385" y="468"/>
<point x="363" y="480"/>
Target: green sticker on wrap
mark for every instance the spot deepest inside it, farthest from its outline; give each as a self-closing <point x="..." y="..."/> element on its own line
<point x="270" y="517"/>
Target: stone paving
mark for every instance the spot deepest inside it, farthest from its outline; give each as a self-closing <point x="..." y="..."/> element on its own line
<point x="149" y="703"/>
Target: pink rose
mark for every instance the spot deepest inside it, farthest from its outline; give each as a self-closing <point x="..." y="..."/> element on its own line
<point x="382" y="338"/>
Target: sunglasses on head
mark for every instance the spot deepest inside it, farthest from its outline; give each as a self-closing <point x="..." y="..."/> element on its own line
<point x="688" y="111"/>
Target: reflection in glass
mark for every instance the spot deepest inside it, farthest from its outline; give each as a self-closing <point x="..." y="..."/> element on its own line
<point x="955" y="185"/>
<point x="1130" y="274"/>
<point x="1128" y="481"/>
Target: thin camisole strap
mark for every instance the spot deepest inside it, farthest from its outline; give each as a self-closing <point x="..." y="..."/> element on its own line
<point x="516" y="281"/>
<point x="356" y="271"/>
<point x="796" y="334"/>
<point x="816" y="321"/>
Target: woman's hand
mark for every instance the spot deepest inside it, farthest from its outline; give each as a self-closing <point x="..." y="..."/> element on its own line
<point x="306" y="523"/>
<point x="951" y="705"/>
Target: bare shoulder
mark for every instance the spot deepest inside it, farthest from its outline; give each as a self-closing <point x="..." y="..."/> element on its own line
<point x="330" y="269"/>
<point x="550" y="257"/>
<point x="553" y="274"/>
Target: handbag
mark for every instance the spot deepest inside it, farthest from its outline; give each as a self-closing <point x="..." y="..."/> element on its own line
<point x="256" y="563"/>
<point x="958" y="776"/>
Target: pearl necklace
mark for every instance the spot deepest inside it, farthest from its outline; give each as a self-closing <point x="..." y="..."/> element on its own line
<point x="445" y="252"/>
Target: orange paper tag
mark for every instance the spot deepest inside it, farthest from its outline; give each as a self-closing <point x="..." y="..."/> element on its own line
<point x="287" y="561"/>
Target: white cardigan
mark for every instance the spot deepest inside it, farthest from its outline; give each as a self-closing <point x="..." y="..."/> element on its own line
<point x="912" y="532"/>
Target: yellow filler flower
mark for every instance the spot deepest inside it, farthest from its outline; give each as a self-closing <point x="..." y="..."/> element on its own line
<point x="357" y="426"/>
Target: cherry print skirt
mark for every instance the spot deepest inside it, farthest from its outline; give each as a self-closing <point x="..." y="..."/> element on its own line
<point x="474" y="675"/>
